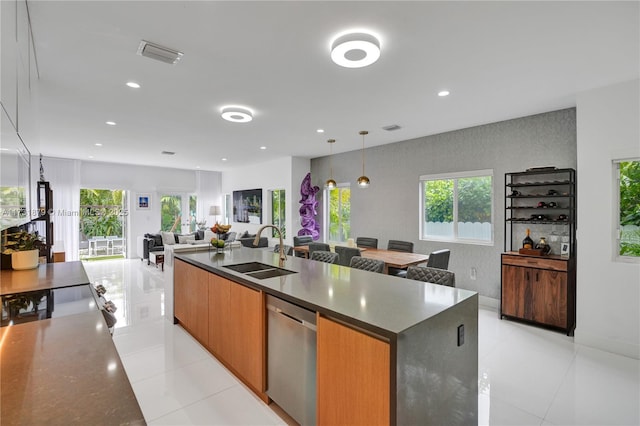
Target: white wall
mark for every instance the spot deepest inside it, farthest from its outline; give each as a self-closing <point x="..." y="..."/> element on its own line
<point x="283" y="173"/>
<point x="608" y="293"/>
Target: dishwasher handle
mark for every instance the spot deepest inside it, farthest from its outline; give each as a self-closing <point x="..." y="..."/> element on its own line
<point x="301" y="322"/>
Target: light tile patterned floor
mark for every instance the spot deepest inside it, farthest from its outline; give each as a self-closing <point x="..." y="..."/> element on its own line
<point x="527" y="376"/>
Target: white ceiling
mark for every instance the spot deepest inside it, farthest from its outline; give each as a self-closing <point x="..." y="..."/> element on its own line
<point x="500" y="60"/>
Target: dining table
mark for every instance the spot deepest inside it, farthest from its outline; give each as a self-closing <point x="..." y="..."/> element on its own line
<point x="391" y="258"/>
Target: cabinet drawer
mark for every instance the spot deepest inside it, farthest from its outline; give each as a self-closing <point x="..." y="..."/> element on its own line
<point x="535" y="262"/>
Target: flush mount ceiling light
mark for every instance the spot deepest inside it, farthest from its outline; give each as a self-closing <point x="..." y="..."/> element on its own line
<point x="159" y="53"/>
<point x="355" y="49"/>
<point x="330" y="183"/>
<point x="363" y="181"/>
<point x="443" y="93"/>
<point x="237" y="114"/>
<point x="110" y="123"/>
<point x="133" y="85"/>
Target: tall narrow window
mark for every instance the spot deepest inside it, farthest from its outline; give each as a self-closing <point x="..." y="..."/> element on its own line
<point x="171" y="213"/>
<point x="278" y="211"/>
<point x="338" y="213"/>
<point x="457" y="207"/>
<point x="628" y="208"/>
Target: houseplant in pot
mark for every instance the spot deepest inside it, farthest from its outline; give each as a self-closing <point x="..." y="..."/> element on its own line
<point x="24" y="249"/>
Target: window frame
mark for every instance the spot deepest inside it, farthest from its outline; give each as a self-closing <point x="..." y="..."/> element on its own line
<point x="455" y="176"/>
<point x="617" y="232"/>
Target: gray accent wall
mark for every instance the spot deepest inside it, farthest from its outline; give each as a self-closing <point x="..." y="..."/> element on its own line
<point x="389" y="208"/>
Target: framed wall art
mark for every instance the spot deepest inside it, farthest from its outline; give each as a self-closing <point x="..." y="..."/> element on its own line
<point x="143" y="201"/>
<point x="247" y="206"/>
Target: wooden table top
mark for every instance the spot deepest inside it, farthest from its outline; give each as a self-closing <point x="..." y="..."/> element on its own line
<point x="395" y="259"/>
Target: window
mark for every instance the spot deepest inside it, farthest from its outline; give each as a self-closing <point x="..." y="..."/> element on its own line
<point x="338" y="213"/>
<point x="278" y="211"/>
<point x="628" y="241"/>
<point x="457" y="207"/>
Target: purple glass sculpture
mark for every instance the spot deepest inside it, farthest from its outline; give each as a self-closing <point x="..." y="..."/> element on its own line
<point x="308" y="209"/>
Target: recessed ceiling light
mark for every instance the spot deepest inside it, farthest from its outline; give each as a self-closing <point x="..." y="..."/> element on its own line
<point x="443" y="93"/>
<point x="133" y="85"/>
<point x="224" y="159"/>
<point x="236" y="114"/>
<point x="91" y="156"/>
<point x="355" y="49"/>
<point x="263" y="148"/>
<point x="320" y="130"/>
<point x="98" y="144"/>
<point x="111" y="123"/>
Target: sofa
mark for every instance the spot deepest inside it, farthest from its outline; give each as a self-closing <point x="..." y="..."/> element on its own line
<point x="171" y="243"/>
<point x="247" y="240"/>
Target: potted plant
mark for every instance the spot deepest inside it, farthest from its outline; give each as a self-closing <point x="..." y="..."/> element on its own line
<point x="24" y="249"/>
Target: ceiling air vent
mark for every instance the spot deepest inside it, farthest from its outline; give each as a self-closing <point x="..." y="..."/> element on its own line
<point x="392" y="127"/>
<point x="168" y="153"/>
<point x="159" y="53"/>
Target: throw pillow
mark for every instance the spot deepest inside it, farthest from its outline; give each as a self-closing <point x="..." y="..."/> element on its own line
<point x="245" y="235"/>
<point x="168" y="239"/>
<point x="183" y="239"/>
<point x="199" y="235"/>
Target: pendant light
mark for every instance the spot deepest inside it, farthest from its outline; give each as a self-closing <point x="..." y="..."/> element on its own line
<point x="330" y="183"/>
<point x="363" y="181"/>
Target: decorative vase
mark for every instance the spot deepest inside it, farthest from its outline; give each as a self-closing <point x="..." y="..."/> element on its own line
<point x="27" y="259"/>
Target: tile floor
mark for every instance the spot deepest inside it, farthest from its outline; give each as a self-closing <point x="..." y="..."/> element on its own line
<point x="527" y="376"/>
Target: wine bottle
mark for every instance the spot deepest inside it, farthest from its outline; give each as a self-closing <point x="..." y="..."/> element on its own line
<point x="527" y="242"/>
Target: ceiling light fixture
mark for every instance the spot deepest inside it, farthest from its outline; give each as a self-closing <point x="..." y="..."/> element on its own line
<point x="111" y="123"/>
<point x="355" y="49"/>
<point x="224" y="159"/>
<point x="236" y="114"/>
<point x="133" y="85"/>
<point x="330" y="183"/>
<point x="363" y="181"/>
<point x="320" y="131"/>
<point x="263" y="148"/>
<point x="443" y="93"/>
<point x="98" y="144"/>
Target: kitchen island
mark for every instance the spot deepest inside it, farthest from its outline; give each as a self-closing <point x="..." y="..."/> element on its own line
<point x="389" y="350"/>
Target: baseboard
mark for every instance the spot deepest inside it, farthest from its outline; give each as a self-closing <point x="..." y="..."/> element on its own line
<point x="627" y="349"/>
<point x="488" y="302"/>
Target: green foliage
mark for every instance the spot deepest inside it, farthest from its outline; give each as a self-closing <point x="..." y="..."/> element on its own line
<point x="339" y="214"/>
<point x="170" y="213"/>
<point x="438" y="200"/>
<point x="21" y="241"/>
<point x="629" y="249"/>
<point x="474" y="199"/>
<point x="630" y="193"/>
<point x="278" y="208"/>
<point x="101" y="212"/>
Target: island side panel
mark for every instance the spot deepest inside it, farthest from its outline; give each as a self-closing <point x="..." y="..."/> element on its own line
<point x="437" y="379"/>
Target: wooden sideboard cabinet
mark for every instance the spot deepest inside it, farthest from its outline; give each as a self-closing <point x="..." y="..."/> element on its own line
<point x="539" y="290"/>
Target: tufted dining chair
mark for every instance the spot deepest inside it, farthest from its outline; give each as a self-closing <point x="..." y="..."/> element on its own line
<point x="346" y="253"/>
<point x="367" y="242"/>
<point x="397" y="245"/>
<point x="432" y="275"/>
<point x="439" y="259"/>
<point x="325" y="256"/>
<point x="365" y="264"/>
<point x="301" y="240"/>
<point x="313" y="246"/>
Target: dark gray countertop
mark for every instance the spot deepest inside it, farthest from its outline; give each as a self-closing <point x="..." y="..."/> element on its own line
<point x="44" y="277"/>
<point x="385" y="304"/>
<point x="64" y="371"/>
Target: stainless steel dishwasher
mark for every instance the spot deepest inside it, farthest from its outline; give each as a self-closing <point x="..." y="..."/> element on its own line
<point x="291" y="359"/>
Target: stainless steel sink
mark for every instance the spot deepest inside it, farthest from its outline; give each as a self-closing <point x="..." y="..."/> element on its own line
<point x="259" y="270"/>
<point x="270" y="273"/>
<point x="243" y="268"/>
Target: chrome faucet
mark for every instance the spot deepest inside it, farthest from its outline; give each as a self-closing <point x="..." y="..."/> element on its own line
<point x="283" y="256"/>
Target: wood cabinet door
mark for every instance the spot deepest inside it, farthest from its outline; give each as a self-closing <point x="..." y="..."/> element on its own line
<point x="550" y="297"/>
<point x="191" y="286"/>
<point x="516" y="292"/>
<point x="219" y="299"/>
<point x="247" y="329"/>
<point x="353" y="377"/>
<point x="180" y="290"/>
